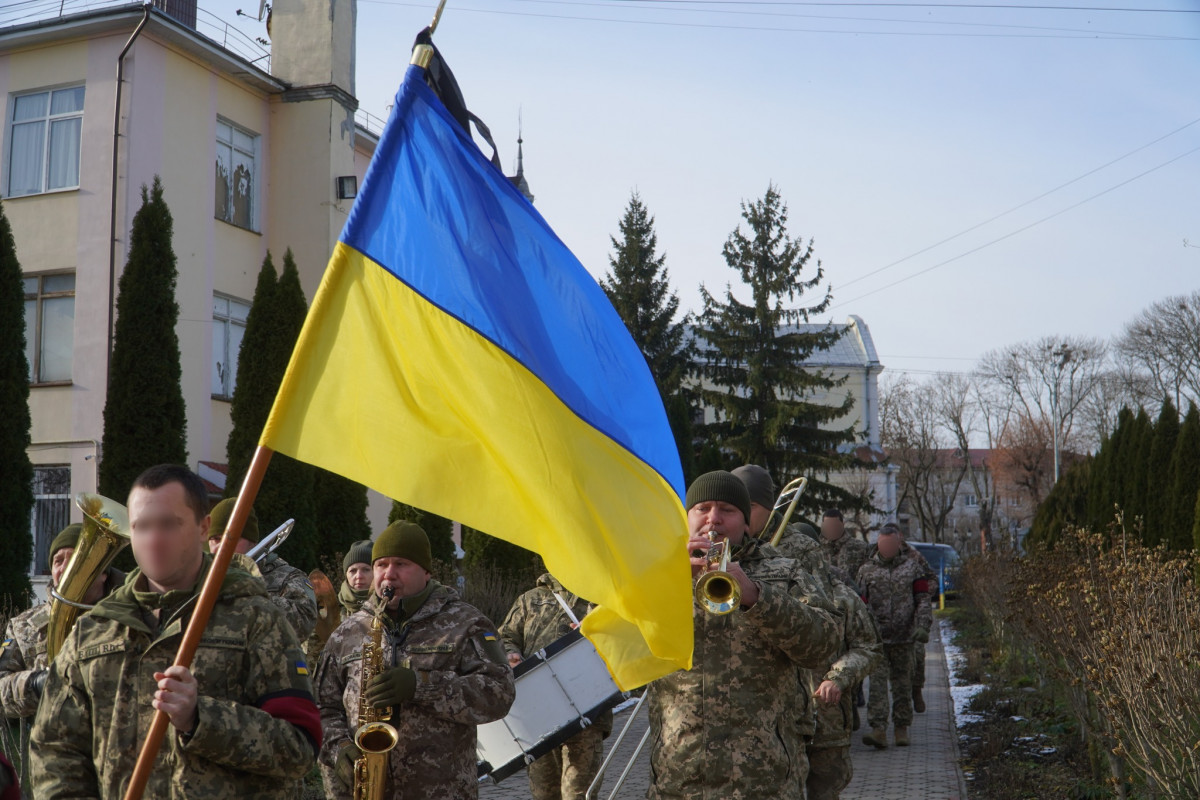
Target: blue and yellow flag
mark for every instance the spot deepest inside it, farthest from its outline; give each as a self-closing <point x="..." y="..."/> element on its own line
<point x="459" y="358"/>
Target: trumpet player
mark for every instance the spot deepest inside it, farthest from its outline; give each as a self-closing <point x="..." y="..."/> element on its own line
<point x="242" y="719"/>
<point x="726" y="728"/>
<point x="23" y="665"/>
<point x="443" y="672"/>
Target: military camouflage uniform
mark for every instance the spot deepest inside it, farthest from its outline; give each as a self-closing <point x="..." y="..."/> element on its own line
<point x="462" y="681"/>
<point x="257" y="731"/>
<point x="918" y="673"/>
<point x="535" y="621"/>
<point x="21" y="655"/>
<point x="290" y="589"/>
<point x="804" y="550"/>
<point x="830" y="769"/>
<point x="897" y="593"/>
<point x="726" y="728"/>
<point x="846" y="552"/>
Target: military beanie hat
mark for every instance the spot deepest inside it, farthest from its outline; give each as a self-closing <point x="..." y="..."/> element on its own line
<point x="67" y="537"/>
<point x="758" y="483"/>
<point x="404" y="540"/>
<point x="719" y="486"/>
<point x="359" y="553"/>
<point x="221" y="514"/>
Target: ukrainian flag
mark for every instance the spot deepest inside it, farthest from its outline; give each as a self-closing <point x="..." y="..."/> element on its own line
<point x="459" y="358"/>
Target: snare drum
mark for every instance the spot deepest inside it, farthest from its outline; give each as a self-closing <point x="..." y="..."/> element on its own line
<point x="560" y="691"/>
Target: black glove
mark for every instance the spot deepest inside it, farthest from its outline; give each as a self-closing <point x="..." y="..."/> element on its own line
<point x="391" y="687"/>
<point x="37" y="682"/>
<point x="348" y="753"/>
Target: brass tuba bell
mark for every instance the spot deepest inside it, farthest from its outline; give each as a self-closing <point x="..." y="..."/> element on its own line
<point x="105" y="533"/>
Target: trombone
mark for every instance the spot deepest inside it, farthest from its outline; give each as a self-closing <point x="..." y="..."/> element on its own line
<point x="795" y="489"/>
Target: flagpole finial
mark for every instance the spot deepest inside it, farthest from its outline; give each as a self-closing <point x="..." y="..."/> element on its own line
<point x="437" y="17"/>
<point x="423" y="53"/>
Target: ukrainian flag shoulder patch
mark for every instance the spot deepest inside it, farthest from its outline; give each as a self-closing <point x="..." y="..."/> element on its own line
<point x="301" y="668"/>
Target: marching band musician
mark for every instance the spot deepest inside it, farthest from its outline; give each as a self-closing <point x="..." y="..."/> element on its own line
<point x="726" y="728"/>
<point x="287" y="586"/>
<point x="536" y="620"/>
<point x="242" y="719"/>
<point x="23" y="664"/>
<point x="356" y="588"/>
<point x="443" y="673"/>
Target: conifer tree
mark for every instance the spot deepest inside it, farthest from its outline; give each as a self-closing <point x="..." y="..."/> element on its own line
<point x="750" y="353"/>
<point x="1185" y="470"/>
<point x="638" y="285"/>
<point x="1159" y="477"/>
<point x="16" y="490"/>
<point x="341" y="511"/>
<point x="503" y="558"/>
<point x="439" y="529"/>
<point x="1138" y="464"/>
<point x="1065" y="505"/>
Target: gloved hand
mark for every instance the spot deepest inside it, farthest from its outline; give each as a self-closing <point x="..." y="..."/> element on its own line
<point x="348" y="753"/>
<point x="921" y="635"/>
<point x="37" y="682"/>
<point x="391" y="687"/>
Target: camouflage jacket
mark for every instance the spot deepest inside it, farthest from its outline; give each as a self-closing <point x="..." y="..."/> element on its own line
<point x="22" y="653"/>
<point x="726" y="728"/>
<point x="860" y="653"/>
<point x="462" y="681"/>
<point x="289" y="589"/>
<point x="256" y="733"/>
<point x="536" y="620"/>
<point x="846" y="552"/>
<point x="897" y="592"/>
<point x="805" y="551"/>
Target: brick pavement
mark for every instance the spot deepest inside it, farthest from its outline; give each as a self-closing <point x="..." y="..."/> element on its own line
<point x="927" y="770"/>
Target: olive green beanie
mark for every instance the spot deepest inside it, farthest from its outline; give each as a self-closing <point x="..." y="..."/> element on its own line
<point x="404" y="540"/>
<point x="359" y="553"/>
<point x="67" y="537"/>
<point x="758" y="484"/>
<point x="720" y="486"/>
<point x="221" y="514"/>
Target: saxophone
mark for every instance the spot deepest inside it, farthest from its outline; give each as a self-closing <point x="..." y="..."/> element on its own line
<point x="375" y="737"/>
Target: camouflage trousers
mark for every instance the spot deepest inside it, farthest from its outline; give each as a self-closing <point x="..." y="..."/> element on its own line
<point x="567" y="770"/>
<point x="829" y="771"/>
<point x="918" y="671"/>
<point x="895" y="669"/>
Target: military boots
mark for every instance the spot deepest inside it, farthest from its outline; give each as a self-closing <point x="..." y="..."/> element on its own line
<point x="877" y="737"/>
<point x="901" y="736"/>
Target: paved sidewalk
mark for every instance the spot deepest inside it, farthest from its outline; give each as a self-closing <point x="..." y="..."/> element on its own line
<point x="928" y="770"/>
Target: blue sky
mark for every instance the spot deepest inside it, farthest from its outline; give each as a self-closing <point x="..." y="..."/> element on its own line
<point x="882" y="141"/>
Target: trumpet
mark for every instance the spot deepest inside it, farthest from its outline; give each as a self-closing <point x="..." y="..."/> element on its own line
<point x="716" y="590"/>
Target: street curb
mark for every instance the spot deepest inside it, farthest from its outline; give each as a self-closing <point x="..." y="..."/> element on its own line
<point x="962" y="780"/>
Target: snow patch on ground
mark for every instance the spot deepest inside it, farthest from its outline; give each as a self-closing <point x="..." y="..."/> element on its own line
<point x="960" y="692"/>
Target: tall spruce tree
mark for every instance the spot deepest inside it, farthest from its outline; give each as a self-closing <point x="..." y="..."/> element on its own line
<point x="751" y="355"/>
<point x="1185" y="470"/>
<point x="1158" y="473"/>
<point x="145" y="421"/>
<point x="288" y="488"/>
<point x="1136" y="485"/>
<point x="439" y="529"/>
<point x="503" y="559"/>
<point x="1066" y="505"/>
<point x="341" y="511"/>
<point x="16" y="490"/>
<point x="639" y="287"/>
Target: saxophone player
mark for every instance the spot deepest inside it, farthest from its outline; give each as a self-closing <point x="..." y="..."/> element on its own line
<point x="442" y="672"/>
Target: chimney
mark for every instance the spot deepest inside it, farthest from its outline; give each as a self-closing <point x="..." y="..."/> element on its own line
<point x="312" y="43"/>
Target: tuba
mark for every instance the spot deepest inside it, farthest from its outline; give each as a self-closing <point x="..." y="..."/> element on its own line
<point x="375" y="737"/>
<point x="105" y="533"/>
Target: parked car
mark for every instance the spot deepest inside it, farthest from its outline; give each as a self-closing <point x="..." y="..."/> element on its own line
<point x="946" y="564"/>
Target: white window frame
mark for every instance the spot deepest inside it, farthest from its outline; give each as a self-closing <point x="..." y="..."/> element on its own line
<point x="34" y="327"/>
<point x="226" y="320"/>
<point x="970" y="501"/>
<point x="49" y="119"/>
<point x="255" y="154"/>
<point x="56" y="505"/>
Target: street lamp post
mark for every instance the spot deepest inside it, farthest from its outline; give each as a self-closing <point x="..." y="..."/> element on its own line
<point x="1063" y="354"/>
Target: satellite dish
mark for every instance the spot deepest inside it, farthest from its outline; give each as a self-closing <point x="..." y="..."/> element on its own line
<point x="262" y="9"/>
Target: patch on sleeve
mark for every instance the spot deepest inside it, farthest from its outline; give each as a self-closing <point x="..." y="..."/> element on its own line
<point x="300" y="667"/>
<point x="5" y="644"/>
<point x="489" y="643"/>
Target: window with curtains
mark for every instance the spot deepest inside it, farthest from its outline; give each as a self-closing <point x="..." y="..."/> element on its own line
<point x="236" y="176"/>
<point x="49" y="326"/>
<point x="229" y="326"/>
<point x="44" y="130"/>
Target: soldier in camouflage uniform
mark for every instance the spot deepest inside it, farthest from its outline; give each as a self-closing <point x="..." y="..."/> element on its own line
<point x="726" y="729"/>
<point x="242" y="719"/>
<point x="841" y="548"/>
<point x="535" y="621"/>
<point x="911" y="553"/>
<point x="23" y="652"/>
<point x="287" y="586"/>
<point x="897" y="593"/>
<point x="830" y="768"/>
<point x="444" y="673"/>
<point x="356" y="588"/>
